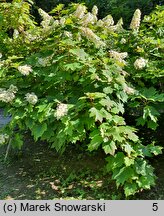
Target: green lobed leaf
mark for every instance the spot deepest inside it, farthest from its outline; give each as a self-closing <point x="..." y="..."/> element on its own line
<point x="96" y="113"/>
<point x="96" y="141"/>
<point x="107" y="102"/>
<point x="145" y="182"/>
<point x="38" y="130"/>
<point x="17" y="141"/>
<point x="110" y="148"/>
<point x="141" y="166"/>
<point x="116" y="161"/>
<point x="128" y="161"/>
<point x="122" y="175"/>
<point x="128" y="149"/>
<point x="140" y="121"/>
<point x="116" y="134"/>
<point x="152" y="125"/>
<point x="79" y="53"/>
<point x="130" y="188"/>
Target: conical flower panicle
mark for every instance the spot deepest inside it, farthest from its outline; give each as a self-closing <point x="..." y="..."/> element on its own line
<point x="135" y="23"/>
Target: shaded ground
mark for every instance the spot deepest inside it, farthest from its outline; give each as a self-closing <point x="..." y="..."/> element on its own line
<point x="38" y="172"/>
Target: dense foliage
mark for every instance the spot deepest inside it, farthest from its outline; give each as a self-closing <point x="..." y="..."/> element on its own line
<point x="72" y="80"/>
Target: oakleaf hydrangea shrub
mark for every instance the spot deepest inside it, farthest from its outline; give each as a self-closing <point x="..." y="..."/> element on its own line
<point x="65" y="80"/>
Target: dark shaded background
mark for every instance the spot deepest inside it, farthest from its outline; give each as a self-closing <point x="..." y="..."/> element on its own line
<point x="117" y="8"/>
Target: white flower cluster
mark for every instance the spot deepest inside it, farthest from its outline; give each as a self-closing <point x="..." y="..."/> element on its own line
<point x="108" y="21"/>
<point x="62" y="21"/>
<point x="100" y="23"/>
<point x="140" y="63"/>
<point x="31" y="98"/>
<point x="68" y="34"/>
<point x="1" y="62"/>
<point x="61" y="110"/>
<point x="118" y="56"/>
<point x="92" y="36"/>
<point x="8" y="95"/>
<point x="25" y="69"/>
<point x="55" y="23"/>
<point x="135" y="23"/>
<point x="15" y="34"/>
<point x="80" y="11"/>
<point x="129" y="90"/>
<point x="86" y="18"/>
<point x="3" y="138"/>
<point x="117" y="27"/>
<point x="33" y="36"/>
<point x="95" y="10"/>
<point x="13" y="89"/>
<point x="89" y="18"/>
<point x="47" y="19"/>
<point x="123" y="41"/>
<point x="44" y="61"/>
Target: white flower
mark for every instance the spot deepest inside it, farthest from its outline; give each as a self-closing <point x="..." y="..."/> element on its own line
<point x="25" y="69"/>
<point x="15" y="34"/>
<point x="62" y="21"/>
<point x="124" y="73"/>
<point x="80" y="11"/>
<point x="106" y="139"/>
<point x="100" y="23"/>
<point x="118" y="56"/>
<point x="108" y="21"/>
<point x="102" y="132"/>
<point x="43" y="62"/>
<point x="89" y="18"/>
<point x="135" y="23"/>
<point x="6" y="96"/>
<point x="140" y="63"/>
<point x="123" y="41"/>
<point x="117" y="27"/>
<point x="61" y="110"/>
<point x="47" y="19"/>
<point x="68" y="34"/>
<point x="13" y="88"/>
<point x="54" y="24"/>
<point x="3" y="138"/>
<point x="79" y="38"/>
<point x="32" y="36"/>
<point x="95" y="10"/>
<point x="92" y="36"/>
<point x="31" y="98"/>
<point x="129" y="90"/>
<point x="1" y="63"/>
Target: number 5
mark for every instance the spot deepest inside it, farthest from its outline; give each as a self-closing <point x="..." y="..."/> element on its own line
<point x="155" y="207"/>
